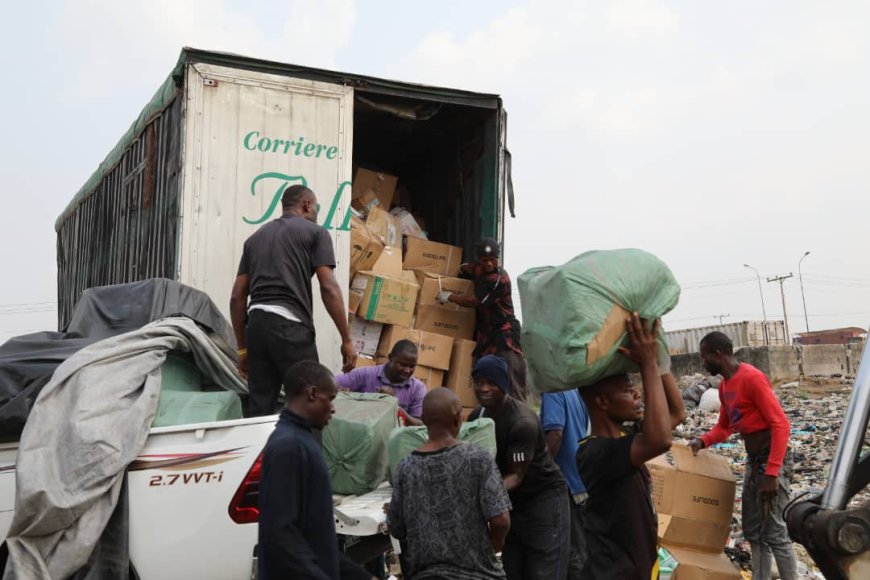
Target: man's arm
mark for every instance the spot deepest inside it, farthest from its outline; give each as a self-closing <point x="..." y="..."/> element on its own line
<point x="676" y="408"/>
<point x="762" y="395"/>
<point x="464" y="301"/>
<point x="330" y="293"/>
<point x="655" y="436"/>
<point x="495" y="504"/>
<point x="521" y="451"/>
<point x="238" y="311"/>
<point x="553" y="419"/>
<point x="396" y="512"/>
<point x="554" y="442"/>
<point x="499" y="526"/>
<point x="719" y="433"/>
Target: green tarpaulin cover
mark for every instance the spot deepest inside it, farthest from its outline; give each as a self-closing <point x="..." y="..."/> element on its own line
<point x="355" y="441"/>
<point x="404" y="440"/>
<point x="574" y="315"/>
<point x="189" y="407"/>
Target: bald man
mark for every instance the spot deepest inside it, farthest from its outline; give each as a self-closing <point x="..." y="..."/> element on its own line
<point x="449" y="507"/>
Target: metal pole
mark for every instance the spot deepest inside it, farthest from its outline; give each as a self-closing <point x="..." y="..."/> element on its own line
<point x="803" y="298"/>
<point x="836" y="494"/>
<point x="763" y="311"/>
<point x="781" y="280"/>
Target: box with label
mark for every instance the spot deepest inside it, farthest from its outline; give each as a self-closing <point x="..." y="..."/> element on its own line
<point x="387" y="299"/>
<point x="431" y="284"/>
<point x="694" y="498"/>
<point x="455" y="323"/>
<point x="365" y="249"/>
<point x="381" y="185"/>
<point x="698" y="565"/>
<point x="366" y="336"/>
<point x="433" y="350"/>
<point x="354" y="298"/>
<point x="459" y="376"/>
<point x="432" y="378"/>
<point x="365" y="201"/>
<point x="389" y="262"/>
<point x="432" y="257"/>
<point x="385" y="227"/>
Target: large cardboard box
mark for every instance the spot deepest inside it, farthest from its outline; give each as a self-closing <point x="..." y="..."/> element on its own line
<point x="433" y="350"/>
<point x="387" y="299"/>
<point x="459" y="376"/>
<point x="365" y="249"/>
<point x="384" y="227"/>
<point x="354" y="298"/>
<point x="432" y="257"/>
<point x="431" y="284"/>
<point x="382" y="185"/>
<point x="364" y="361"/>
<point x="455" y="323"/>
<point x="697" y="565"/>
<point x="366" y="336"/>
<point x="432" y="378"/>
<point x="694" y="498"/>
<point x="389" y="262"/>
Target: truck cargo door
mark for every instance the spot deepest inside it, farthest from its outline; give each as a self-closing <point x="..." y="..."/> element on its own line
<point x="248" y="135"/>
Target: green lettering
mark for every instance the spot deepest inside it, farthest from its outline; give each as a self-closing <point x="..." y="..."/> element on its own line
<point x="288" y="145"/>
<point x="247" y="141"/>
<point x="319" y="149"/>
<point x="333" y="208"/>
<point x="332" y="152"/>
<point x="264" y="144"/>
<point x="284" y="181"/>
<point x="299" y="145"/>
<point x="309" y="149"/>
<point x="275" y="145"/>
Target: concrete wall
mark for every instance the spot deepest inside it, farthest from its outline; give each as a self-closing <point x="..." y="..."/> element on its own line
<point x="785" y="362"/>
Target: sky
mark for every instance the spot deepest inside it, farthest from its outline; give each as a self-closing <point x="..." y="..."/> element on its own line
<point x="712" y="134"/>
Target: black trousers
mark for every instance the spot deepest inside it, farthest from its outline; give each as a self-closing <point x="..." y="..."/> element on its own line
<point x="538" y="544"/>
<point x="274" y="345"/>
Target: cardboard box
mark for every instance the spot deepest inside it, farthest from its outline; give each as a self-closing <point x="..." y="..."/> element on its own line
<point x="365" y="201"/>
<point x="364" y="361"/>
<point x="365" y="249"/>
<point x="697" y="565"/>
<point x="389" y="262"/>
<point x="381" y="185"/>
<point x="410" y="227"/>
<point x="431" y="284"/>
<point x="354" y="298"/>
<point x="366" y="336"/>
<point x="455" y="323"/>
<point x="387" y="299"/>
<point x="432" y="257"/>
<point x="385" y="227"/>
<point x="459" y="376"/>
<point x="432" y="378"/>
<point x="694" y="498"/>
<point x="433" y="350"/>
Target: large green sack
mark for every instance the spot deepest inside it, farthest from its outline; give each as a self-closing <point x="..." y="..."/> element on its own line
<point x="574" y="315"/>
<point x="189" y="407"/>
<point x="355" y="441"/>
<point x="404" y="440"/>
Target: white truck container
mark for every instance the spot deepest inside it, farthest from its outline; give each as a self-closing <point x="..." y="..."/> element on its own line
<point x="206" y="162"/>
<point x="746" y="333"/>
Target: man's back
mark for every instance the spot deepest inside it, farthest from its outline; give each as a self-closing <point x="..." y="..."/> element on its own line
<point x="445" y="500"/>
<point x="280" y="259"/>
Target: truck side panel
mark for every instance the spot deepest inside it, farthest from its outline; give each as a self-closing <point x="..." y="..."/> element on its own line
<point x="248" y="135"/>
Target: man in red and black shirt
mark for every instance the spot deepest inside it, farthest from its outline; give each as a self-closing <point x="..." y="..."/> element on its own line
<point x="498" y="330"/>
<point x="749" y="407"/>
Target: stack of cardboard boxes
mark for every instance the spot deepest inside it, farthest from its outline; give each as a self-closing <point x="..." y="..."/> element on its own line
<point x="694" y="498"/>
<point x="393" y="293"/>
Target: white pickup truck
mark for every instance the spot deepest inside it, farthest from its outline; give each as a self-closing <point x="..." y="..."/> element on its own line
<point x="193" y="502"/>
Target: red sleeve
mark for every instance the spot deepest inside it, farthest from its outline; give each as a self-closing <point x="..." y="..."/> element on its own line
<point x="761" y="393"/>
<point x="722" y="430"/>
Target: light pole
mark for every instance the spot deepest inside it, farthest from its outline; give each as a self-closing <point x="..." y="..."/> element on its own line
<point x="763" y="311"/>
<point x="781" y="280"/>
<point x="803" y="298"/>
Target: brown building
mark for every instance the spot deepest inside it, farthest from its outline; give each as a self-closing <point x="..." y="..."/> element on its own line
<point x="833" y="336"/>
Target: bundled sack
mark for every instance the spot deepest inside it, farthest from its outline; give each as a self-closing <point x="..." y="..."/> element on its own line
<point x="404" y="440"/>
<point x="574" y="315"/>
<point x="355" y="441"/>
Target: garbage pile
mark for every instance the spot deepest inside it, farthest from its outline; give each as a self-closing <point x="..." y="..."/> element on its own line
<point x="815" y="407"/>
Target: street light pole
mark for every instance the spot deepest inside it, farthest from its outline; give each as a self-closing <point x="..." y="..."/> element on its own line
<point x="763" y="311"/>
<point x="781" y="280"/>
<point x="803" y="298"/>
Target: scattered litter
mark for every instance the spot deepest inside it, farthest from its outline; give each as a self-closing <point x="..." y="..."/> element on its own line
<point x="710" y="400"/>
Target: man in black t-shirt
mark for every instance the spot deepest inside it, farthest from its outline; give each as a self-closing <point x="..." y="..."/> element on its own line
<point x="276" y="329"/>
<point x="619" y="519"/>
<point x="538" y="543"/>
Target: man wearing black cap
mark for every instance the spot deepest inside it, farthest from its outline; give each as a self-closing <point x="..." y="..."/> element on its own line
<point x="498" y="330"/>
<point x="538" y="543"/>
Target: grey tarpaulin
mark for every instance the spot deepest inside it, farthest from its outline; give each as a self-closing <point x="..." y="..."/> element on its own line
<point x="88" y="423"/>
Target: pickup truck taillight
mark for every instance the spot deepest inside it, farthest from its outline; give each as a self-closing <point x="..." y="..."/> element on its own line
<point x="244" y="508"/>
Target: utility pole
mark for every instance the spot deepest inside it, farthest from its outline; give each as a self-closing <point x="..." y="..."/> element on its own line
<point x="803" y="298"/>
<point x="763" y="310"/>
<point x="781" y="280"/>
<point x="721" y="316"/>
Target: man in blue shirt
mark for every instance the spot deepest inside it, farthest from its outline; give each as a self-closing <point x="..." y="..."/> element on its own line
<point x="566" y="421"/>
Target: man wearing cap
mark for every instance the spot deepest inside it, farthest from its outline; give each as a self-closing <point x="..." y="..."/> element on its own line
<point x="538" y="543"/>
<point x="498" y="330"/>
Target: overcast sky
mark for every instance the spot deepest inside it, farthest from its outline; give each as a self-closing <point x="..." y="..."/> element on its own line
<point x="712" y="134"/>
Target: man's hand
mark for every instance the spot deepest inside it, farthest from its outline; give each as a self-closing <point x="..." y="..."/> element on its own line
<point x="643" y="346"/>
<point x="348" y="354"/>
<point x="444" y="297"/>
<point x="243" y="365"/>
<point x="769" y="488"/>
<point x="387" y="508"/>
<point x="696" y="445"/>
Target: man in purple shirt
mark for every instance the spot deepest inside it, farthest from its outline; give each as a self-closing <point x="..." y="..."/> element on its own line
<point x="395" y="377"/>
